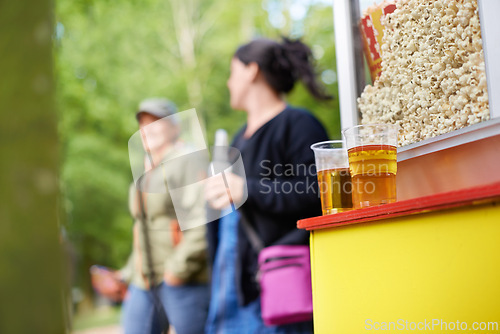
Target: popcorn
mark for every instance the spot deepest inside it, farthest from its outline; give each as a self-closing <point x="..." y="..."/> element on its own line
<point x="433" y="78"/>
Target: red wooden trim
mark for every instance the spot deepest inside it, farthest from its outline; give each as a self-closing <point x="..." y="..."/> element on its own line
<point x="452" y="199"/>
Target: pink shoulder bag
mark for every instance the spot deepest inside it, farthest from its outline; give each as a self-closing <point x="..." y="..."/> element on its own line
<point x="285" y="280"/>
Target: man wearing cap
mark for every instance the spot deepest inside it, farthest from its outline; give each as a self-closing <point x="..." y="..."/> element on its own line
<point x="166" y="265"/>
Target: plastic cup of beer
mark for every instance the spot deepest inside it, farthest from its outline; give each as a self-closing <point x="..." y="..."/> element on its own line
<point x="334" y="180"/>
<point x="372" y="152"/>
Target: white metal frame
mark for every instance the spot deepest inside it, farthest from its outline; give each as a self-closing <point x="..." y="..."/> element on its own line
<point x="490" y="31"/>
<point x="345" y="63"/>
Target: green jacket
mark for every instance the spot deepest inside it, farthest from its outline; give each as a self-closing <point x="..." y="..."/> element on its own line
<point x="183" y="254"/>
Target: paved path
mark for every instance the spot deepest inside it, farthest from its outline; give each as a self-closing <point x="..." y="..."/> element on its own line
<point x="114" y="329"/>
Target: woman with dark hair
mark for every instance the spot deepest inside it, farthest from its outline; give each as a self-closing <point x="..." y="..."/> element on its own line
<point x="280" y="178"/>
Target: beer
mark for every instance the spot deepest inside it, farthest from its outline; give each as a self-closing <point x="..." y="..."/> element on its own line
<point x="335" y="190"/>
<point x="373" y="171"/>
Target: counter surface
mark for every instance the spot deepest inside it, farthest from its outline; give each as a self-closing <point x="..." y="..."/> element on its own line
<point x="442" y="201"/>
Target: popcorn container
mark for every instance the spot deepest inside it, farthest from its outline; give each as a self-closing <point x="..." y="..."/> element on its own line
<point x="372" y="157"/>
<point x="372" y="31"/>
<point x="334" y="179"/>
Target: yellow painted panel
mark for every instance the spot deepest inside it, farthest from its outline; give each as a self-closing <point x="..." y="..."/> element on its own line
<point x="443" y="265"/>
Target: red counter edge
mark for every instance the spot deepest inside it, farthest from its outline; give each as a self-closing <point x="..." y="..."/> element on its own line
<point x="452" y="199"/>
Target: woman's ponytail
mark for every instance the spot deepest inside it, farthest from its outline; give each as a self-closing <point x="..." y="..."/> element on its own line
<point x="282" y="64"/>
<point x="301" y="58"/>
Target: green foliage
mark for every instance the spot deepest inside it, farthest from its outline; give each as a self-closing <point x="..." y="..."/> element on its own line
<point x="112" y="54"/>
<point x="96" y="174"/>
<point x="318" y="33"/>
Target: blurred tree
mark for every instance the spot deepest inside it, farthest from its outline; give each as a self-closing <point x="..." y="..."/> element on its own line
<point x="112" y="54"/>
<point x="32" y="285"/>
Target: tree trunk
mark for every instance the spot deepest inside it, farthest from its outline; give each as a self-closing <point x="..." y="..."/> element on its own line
<point x="32" y="298"/>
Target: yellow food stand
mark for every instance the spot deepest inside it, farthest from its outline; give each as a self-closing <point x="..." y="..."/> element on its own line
<point x="431" y="261"/>
<point x="434" y="261"/>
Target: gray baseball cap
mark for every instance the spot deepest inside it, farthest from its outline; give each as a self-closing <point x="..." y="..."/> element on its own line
<point x="159" y="107"/>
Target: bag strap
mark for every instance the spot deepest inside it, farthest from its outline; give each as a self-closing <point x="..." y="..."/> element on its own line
<point x="252" y="235"/>
<point x="149" y="259"/>
<point x="256" y="242"/>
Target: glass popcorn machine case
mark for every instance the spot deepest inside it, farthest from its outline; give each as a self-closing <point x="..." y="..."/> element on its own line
<point x="432" y="68"/>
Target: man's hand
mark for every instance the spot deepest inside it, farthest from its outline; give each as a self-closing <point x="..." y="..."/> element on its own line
<point x="172" y="280"/>
<point x="219" y="196"/>
<point x="108" y="283"/>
